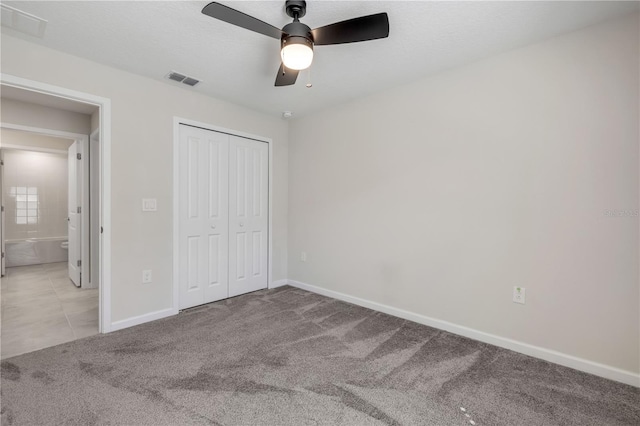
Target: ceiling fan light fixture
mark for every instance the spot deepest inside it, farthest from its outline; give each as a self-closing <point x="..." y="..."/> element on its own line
<point x="297" y="39"/>
<point x="296" y="52"/>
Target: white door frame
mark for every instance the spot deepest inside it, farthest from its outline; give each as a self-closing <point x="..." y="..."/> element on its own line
<point x="104" y="105"/>
<point x="177" y="121"/>
<point x="94" y="212"/>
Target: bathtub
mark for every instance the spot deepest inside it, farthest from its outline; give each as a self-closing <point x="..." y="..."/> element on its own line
<point x="34" y="251"/>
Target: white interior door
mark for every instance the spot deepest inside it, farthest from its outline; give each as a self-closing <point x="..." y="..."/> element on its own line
<point x="74" y="218"/>
<point x="204" y="217"/>
<point x="248" y="215"/>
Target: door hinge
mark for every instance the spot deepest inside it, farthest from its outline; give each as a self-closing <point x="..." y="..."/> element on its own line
<point x="1" y="162"/>
<point x="1" y="208"/>
<point x="79" y="156"/>
<point x="79" y="263"/>
<point x="101" y="229"/>
<point x="2" y="255"/>
<point x="79" y="209"/>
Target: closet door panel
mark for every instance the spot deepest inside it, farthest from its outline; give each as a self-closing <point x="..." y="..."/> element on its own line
<point x="248" y="215"/>
<point x="223" y="216"/>
<point x="203" y="226"/>
<point x="217" y="227"/>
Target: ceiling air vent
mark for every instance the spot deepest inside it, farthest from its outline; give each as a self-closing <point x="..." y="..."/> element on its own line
<point x="190" y="81"/>
<point x="21" y="21"/>
<point x="176" y="76"/>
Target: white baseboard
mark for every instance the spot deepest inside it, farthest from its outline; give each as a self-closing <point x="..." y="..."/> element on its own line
<point x="278" y="283"/>
<point x="570" y="361"/>
<point x="141" y="319"/>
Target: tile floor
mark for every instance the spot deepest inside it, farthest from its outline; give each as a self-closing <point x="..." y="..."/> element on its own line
<point x="41" y="307"/>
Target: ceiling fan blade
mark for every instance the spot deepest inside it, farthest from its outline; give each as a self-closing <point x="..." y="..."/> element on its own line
<point x="232" y="16"/>
<point x="364" y="28"/>
<point x="286" y="76"/>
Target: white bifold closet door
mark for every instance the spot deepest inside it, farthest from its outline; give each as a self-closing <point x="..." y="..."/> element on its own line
<point x="223" y="224"/>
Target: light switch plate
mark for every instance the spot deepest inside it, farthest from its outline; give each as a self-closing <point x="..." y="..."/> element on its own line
<point x="149" y="205"/>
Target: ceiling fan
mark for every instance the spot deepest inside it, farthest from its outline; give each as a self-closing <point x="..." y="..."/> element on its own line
<point x="297" y="39"/>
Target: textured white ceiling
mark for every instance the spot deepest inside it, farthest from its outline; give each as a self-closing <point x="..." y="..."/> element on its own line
<point x="153" y="37"/>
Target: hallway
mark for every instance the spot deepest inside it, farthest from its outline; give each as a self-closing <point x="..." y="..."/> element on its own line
<point x="41" y="307"/>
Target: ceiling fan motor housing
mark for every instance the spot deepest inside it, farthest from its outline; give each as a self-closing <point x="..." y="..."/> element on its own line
<point x="296" y="33"/>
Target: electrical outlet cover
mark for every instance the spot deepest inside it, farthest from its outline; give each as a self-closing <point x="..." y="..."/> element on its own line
<point x="519" y="295"/>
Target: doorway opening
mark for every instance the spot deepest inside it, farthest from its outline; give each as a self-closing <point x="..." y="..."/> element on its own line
<point x="75" y="262"/>
<point x="46" y="297"/>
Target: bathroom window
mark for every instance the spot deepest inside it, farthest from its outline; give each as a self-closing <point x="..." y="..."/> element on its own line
<point x="26" y="204"/>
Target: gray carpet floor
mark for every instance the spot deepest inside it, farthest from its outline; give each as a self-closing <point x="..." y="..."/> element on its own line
<point x="290" y="357"/>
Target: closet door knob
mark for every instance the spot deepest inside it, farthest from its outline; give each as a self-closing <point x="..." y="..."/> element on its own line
<point x="241" y="224"/>
<point x="213" y="227"/>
